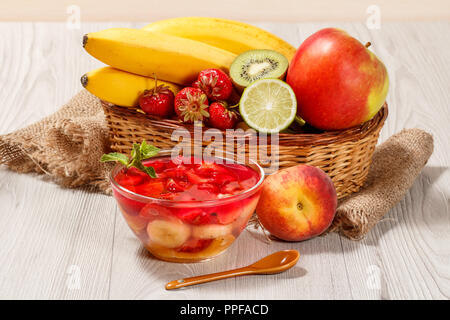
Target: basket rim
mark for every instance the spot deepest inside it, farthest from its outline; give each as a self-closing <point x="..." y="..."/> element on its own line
<point x="321" y="138"/>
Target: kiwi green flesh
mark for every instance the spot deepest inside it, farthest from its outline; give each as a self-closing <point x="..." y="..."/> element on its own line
<point x="257" y="64"/>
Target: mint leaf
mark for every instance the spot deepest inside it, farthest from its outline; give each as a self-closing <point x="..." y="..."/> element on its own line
<point x="115" y="156"/>
<point x="147" y="150"/>
<point x="135" y="152"/>
<point x="139" y="152"/>
<point x="150" y="171"/>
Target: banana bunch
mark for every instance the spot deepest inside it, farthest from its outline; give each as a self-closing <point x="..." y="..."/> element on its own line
<point x="145" y="53"/>
<point x="119" y="87"/>
<point x="230" y="35"/>
<point x="173" y="50"/>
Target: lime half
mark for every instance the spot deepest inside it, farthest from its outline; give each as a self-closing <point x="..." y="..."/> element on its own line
<point x="268" y="105"/>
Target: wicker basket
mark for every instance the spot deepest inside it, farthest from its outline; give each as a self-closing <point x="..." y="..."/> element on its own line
<point x="344" y="155"/>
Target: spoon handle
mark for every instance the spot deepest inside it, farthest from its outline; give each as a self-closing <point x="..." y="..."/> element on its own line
<point x="208" y="277"/>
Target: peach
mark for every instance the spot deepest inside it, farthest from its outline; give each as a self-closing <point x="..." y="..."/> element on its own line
<point x="297" y="203"/>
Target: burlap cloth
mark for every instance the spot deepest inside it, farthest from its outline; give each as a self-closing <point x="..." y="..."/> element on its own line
<point x="67" y="145"/>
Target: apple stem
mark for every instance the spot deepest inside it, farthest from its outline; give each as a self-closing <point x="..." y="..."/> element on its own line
<point x="367" y="44"/>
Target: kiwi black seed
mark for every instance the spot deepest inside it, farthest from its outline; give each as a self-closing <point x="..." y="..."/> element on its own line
<point x="254" y="65"/>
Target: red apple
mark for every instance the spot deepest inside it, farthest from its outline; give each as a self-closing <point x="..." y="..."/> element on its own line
<point x="297" y="203"/>
<point x="338" y="82"/>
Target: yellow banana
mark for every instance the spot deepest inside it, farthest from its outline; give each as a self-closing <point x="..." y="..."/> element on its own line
<point x="233" y="36"/>
<point x="120" y="87"/>
<point x="173" y="59"/>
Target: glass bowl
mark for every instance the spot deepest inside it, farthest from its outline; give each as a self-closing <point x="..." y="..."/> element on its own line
<point x="187" y="231"/>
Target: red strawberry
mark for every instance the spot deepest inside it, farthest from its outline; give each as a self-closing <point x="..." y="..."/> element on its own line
<point x="195" y="84"/>
<point x="215" y="83"/>
<point x="191" y="104"/>
<point x="220" y="117"/>
<point x="157" y="101"/>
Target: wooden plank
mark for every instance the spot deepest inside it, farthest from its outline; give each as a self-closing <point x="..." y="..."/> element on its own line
<point x="56" y="243"/>
<point x="411" y="242"/>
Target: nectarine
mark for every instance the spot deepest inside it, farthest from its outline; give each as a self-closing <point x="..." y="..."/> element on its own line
<point x="297" y="203"/>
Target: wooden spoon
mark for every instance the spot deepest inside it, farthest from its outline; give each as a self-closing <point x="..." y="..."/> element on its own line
<point x="275" y="263"/>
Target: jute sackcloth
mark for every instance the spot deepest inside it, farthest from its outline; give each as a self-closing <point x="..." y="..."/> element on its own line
<point x="68" y="144"/>
<point x="396" y="163"/>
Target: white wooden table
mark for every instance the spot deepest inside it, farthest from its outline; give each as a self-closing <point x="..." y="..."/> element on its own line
<point x="71" y="244"/>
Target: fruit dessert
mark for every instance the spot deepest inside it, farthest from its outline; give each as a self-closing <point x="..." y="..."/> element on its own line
<point x="185" y="209"/>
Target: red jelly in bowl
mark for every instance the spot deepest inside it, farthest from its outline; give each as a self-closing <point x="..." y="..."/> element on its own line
<point x="193" y="210"/>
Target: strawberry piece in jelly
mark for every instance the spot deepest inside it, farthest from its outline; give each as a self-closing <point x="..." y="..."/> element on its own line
<point x="130" y="206"/>
<point x="229" y="213"/>
<point x="158" y="165"/>
<point x="195" y="216"/>
<point x="168" y="195"/>
<point x="177" y="172"/>
<point x="195" y="245"/>
<point x="210" y="168"/>
<point x="129" y="180"/>
<point x="152" y="211"/>
<point x="130" y="177"/>
<point x="195" y="178"/>
<point x="151" y="189"/>
<point x="212" y="188"/>
<point x="174" y="186"/>
<point x="243" y="172"/>
<point x="232" y="187"/>
<point x="222" y="179"/>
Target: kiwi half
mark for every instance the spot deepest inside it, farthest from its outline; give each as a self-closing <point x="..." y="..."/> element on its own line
<point x="253" y="65"/>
